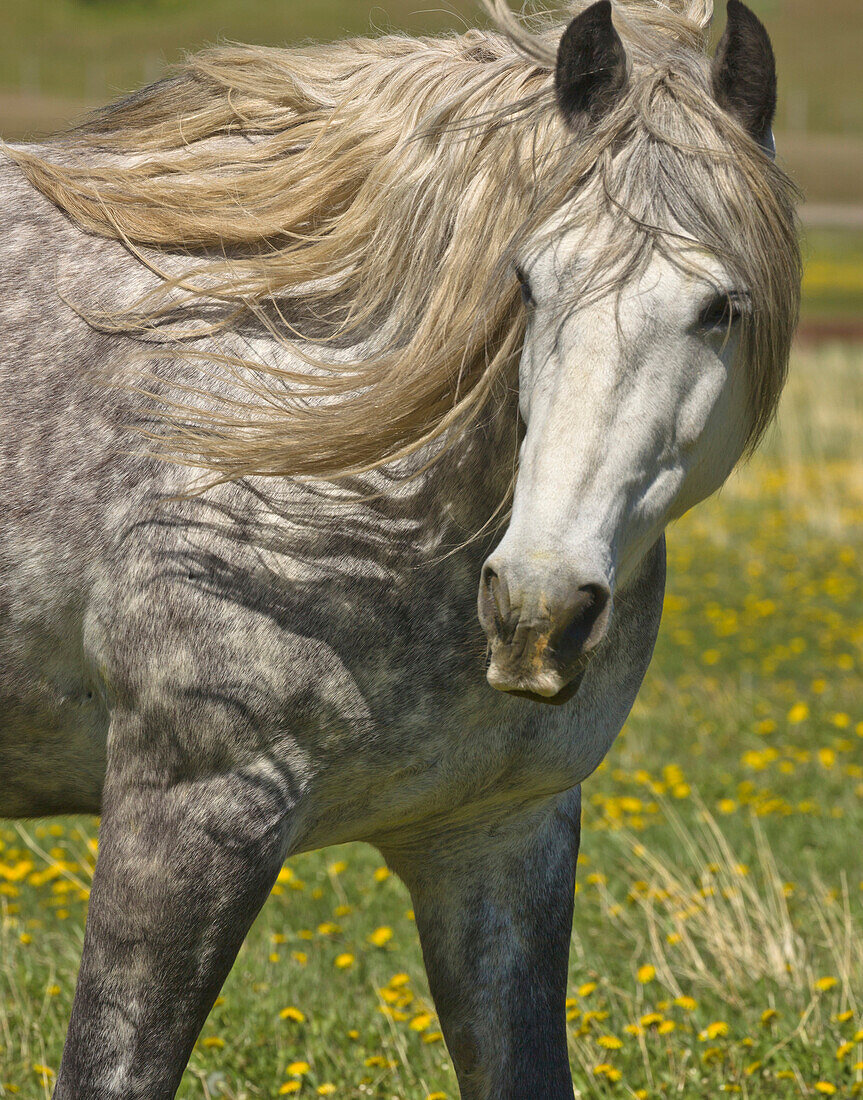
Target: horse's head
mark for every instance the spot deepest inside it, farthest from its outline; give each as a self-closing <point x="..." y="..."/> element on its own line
<point x="661" y="302"/>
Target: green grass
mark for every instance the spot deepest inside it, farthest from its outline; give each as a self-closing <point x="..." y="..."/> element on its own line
<point x="718" y="940"/>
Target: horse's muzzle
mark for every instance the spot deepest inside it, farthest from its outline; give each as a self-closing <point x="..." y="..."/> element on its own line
<point x="540" y="639"/>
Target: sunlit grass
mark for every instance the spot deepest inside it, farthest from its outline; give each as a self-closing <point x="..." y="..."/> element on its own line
<point x="718" y="941"/>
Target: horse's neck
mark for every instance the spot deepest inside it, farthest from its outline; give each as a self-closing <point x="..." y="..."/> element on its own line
<point x="427" y="504"/>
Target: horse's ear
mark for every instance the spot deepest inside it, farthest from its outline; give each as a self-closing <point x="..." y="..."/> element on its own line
<point x="591" y="65"/>
<point x="744" y="74"/>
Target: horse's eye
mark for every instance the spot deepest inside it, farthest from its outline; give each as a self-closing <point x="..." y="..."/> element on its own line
<point x="722" y="312"/>
<point x="526" y="292"/>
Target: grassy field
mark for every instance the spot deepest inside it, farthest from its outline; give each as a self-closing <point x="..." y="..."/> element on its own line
<point x="718" y="941"/>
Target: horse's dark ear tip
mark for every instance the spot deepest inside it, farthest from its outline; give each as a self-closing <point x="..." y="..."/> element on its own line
<point x="737" y="12"/>
<point x="601" y="8"/>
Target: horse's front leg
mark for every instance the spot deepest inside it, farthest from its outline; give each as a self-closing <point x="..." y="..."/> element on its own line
<point x="493" y="907"/>
<point x="187" y="855"/>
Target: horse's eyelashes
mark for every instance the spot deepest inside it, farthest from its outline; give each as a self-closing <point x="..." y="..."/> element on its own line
<point x="722" y="311"/>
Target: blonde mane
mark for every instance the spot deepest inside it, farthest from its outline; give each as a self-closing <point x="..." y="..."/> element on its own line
<point x="387" y="184"/>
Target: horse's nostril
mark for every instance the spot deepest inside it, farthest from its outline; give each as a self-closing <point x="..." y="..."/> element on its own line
<point x="500" y="595"/>
<point x="494" y="600"/>
<point x="588" y="619"/>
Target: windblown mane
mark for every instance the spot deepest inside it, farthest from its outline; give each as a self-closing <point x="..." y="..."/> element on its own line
<point x="388" y="184"/>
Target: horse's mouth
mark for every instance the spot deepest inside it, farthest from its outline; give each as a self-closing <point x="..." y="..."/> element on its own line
<point x="563" y="696"/>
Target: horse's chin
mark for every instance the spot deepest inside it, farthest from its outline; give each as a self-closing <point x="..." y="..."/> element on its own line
<point x="563" y="696"/>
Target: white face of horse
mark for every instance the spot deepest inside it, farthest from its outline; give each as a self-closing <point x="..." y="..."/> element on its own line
<point x="636" y="408"/>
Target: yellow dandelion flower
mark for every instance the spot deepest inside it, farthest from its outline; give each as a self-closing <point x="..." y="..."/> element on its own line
<point x="604" y="1069"/>
<point x="326" y="1089"/>
<point x="798" y="713"/>
<point x="753" y="1067"/>
<point x="646" y="974"/>
<point x="586" y="989"/>
<point x="381" y="936"/>
<point x="715" y="1030"/>
<point x="398" y="980"/>
<point x="381" y="874"/>
<point x="297" y="1069"/>
<point x="328" y="928"/>
<point x="291" y="1013"/>
<point x="610" y="1042"/>
<point x="825" y="1088"/>
<point x="433" y="1037"/>
<point x="436" y="1096"/>
<point x="338" y="868"/>
<point x="726" y="805"/>
<point x="651" y="1018"/>
<point x="843" y="1049"/>
<point x="826" y="983"/>
<point x="213" y="1041"/>
<point x="858" y="1038"/>
<point x="666" y="1027"/>
<point x="688" y="1004"/>
<point x="344" y="960"/>
<point x="289" y="1086"/>
<point x="421" y="1022"/>
<point x="767" y="1016"/>
<point x="300" y="957"/>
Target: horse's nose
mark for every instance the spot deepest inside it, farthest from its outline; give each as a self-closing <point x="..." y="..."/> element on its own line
<point x="538" y="631"/>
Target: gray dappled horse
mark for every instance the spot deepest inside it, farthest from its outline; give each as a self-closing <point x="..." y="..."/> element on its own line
<point x="279" y="662"/>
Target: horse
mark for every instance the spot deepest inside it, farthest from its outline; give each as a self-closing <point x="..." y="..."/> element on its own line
<point x="288" y="339"/>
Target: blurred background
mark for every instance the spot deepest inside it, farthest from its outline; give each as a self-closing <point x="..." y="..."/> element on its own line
<point x="718" y="942"/>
